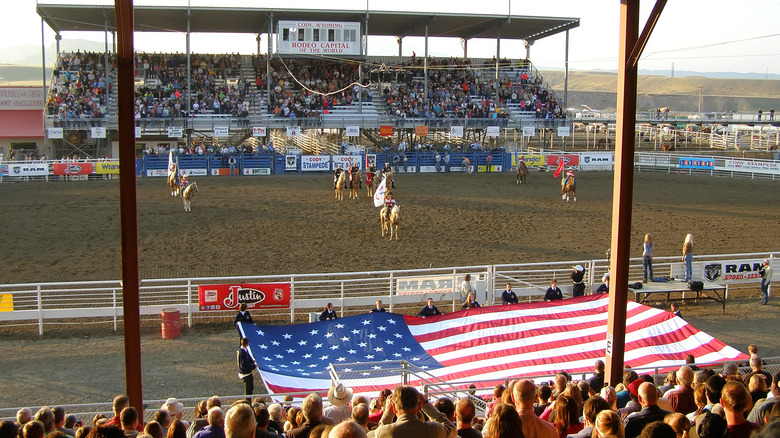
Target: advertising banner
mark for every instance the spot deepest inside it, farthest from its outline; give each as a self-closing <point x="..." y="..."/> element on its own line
<point x="596" y="159"/>
<point x="72" y="168"/>
<point x="257" y="171"/>
<point x="293" y="131"/>
<point x="752" y="166"/>
<point x="348" y="160"/>
<point x="137" y="132"/>
<point x="315" y="163"/>
<point x="530" y="160"/>
<point x="258" y="131"/>
<point x="175" y="132"/>
<point x="290" y="162"/>
<point x="371" y="160"/>
<point x="54" y="133"/>
<point x="421" y="131"/>
<point x="299" y="37"/>
<point x="160" y="172"/>
<point x="564" y="131"/>
<point x="353" y="131"/>
<point x="456" y="131"/>
<point x="97" y="132"/>
<point x="568" y="160"/>
<point x="28" y="169"/>
<point x="256" y="296"/>
<point x="732" y="271"/>
<point x="222" y="131"/>
<point x="437" y="284"/>
<point x="386" y="131"/>
<point x="493" y="131"/>
<point x="529" y="131"/>
<point x="696" y="163"/>
<point x="195" y="172"/>
<point x="105" y="167"/>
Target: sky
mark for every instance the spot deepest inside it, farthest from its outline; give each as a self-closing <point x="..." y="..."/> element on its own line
<point x="693" y="35"/>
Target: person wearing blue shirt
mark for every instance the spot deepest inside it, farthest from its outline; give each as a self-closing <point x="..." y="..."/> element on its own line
<point x="553" y="292"/>
<point x="508" y="296"/>
<point x="378" y="308"/>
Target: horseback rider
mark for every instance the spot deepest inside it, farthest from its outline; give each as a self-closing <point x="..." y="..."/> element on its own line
<point x="389" y="204"/>
<point x="386" y="169"/>
<point x="184" y="182"/>
<point x="569" y="174"/>
<point x="336" y="175"/>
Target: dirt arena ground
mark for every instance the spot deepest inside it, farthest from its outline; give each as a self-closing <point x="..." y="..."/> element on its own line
<point x="63" y="231"/>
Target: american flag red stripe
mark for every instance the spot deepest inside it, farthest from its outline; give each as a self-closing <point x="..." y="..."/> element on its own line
<point x="531" y="339"/>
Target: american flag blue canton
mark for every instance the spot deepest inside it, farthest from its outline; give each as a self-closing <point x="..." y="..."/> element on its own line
<point x="306" y="350"/>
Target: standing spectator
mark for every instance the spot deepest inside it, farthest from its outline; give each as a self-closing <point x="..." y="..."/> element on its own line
<point x="347" y="429"/>
<point x="312" y="413"/>
<point x="129" y="418"/>
<point x="679" y="423"/>
<point x="681" y="398"/>
<point x="45" y="416"/>
<point x="464" y="414"/>
<point x="508" y="296"/>
<point x="329" y="313"/>
<point x="378" y="308"/>
<point x="246" y="364"/>
<point x="735" y="399"/>
<point x="648" y="398"/>
<point x="242" y="316"/>
<point x="757" y="388"/>
<point x="446" y="162"/>
<point x="687" y="256"/>
<point x="760" y="111"/>
<point x="771" y="114"/>
<point x="466" y="288"/>
<point x="596" y="382"/>
<point x="772" y="397"/>
<point x="429" y="310"/>
<point x="9" y="429"/>
<point x="34" y="429"/>
<point x="566" y="419"/>
<point x="59" y="421"/>
<point x="590" y="411"/>
<point x="263" y="418"/>
<point x="647" y="258"/>
<point x="396" y="160"/>
<point x="232" y="164"/>
<point x="578" y="288"/>
<point x="524" y="395"/>
<point x="766" y="279"/>
<point x="406" y="403"/>
<point x="505" y="423"/>
<point x="553" y="292"/>
<point x="756" y="365"/>
<point x="23" y="416"/>
<point x="240" y="422"/>
<point x="438" y="162"/>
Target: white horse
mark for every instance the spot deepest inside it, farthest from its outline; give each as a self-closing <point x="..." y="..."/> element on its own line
<point x="186" y="195"/>
<point x="392" y="223"/>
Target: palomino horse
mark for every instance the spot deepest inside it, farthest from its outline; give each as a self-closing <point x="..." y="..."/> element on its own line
<point x="390" y="180"/>
<point x="389" y="224"/>
<point x="340" y="185"/>
<point x="522" y="173"/>
<point x="186" y="195"/>
<point x="568" y="185"/>
<point x="354" y="184"/>
<point x="175" y="189"/>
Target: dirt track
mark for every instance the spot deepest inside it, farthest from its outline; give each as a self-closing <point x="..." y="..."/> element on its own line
<point x="62" y="231"/>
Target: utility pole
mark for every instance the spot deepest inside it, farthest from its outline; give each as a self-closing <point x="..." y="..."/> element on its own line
<point x="700" y="88"/>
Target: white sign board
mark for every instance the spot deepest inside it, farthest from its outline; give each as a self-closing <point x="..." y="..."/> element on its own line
<point x="291" y="162"/>
<point x="28" y="169"/>
<point x="221" y="131"/>
<point x="137" y="132"/>
<point x="97" y="132"/>
<point x="564" y="131"/>
<point x="493" y="131"/>
<point x="54" y="133"/>
<point x="353" y="131"/>
<point x="529" y="131"/>
<point x="347" y="161"/>
<point x="315" y="163"/>
<point x="457" y="131"/>
<point x="318" y="37"/>
<point x="596" y="159"/>
<point x="752" y="166"/>
<point x="293" y="131"/>
<point x="258" y="131"/>
<point x="175" y="132"/>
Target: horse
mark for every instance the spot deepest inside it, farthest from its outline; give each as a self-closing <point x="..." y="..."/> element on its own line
<point x="186" y="195"/>
<point x="568" y="185"/>
<point x="390" y="179"/>
<point x="175" y="189"/>
<point x="392" y="222"/>
<point x="371" y="183"/>
<point x="340" y="185"/>
<point x="522" y="173"/>
<point x="667" y="147"/>
<point x="354" y="184"/>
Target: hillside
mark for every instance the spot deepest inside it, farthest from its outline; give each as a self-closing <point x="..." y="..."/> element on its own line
<point x="598" y="91"/>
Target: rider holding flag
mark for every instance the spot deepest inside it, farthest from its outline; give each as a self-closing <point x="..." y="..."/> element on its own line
<point x="389" y="204"/>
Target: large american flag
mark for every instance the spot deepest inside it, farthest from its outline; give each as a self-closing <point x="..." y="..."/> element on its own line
<point x="495" y="342"/>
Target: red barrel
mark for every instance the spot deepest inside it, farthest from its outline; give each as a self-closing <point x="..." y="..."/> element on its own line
<point x="170" y="324"/>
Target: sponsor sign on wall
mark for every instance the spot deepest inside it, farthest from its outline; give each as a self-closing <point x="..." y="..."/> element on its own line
<point x="21" y="98"/>
<point x="348" y="160"/>
<point x="258" y="131"/>
<point x="456" y="131"/>
<point x="54" y="133"/>
<point x="257" y="171"/>
<point x="162" y="172"/>
<point x="256" y="296"/>
<point x="596" y="159"/>
<point x="437" y="284"/>
<point x="28" y="169"/>
<point x="315" y="163"/>
<point x="493" y="131"/>
<point x="194" y="172"/>
<point x="696" y="163"/>
<point x="564" y="131"/>
<point x="97" y="132"/>
<point x="752" y="166"/>
<point x="568" y="160"/>
<point x="421" y="131"/>
<point x="386" y="131"/>
<point x="72" y="168"/>
<point x="371" y="158"/>
<point x="530" y="160"/>
<point x="290" y="162"/>
<point x="732" y="271"/>
<point x="296" y="37"/>
<point x="175" y="132"/>
<point x="293" y="131"/>
<point x="107" y="167"/>
<point x="137" y="132"/>
<point x="529" y="131"/>
<point x="222" y="131"/>
<point x="353" y="131"/>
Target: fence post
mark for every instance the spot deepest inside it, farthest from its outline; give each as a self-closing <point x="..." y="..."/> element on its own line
<point x="341" y="298"/>
<point x="405" y="372"/>
<point x="292" y="298"/>
<point x="40" y="311"/>
<point x="189" y="303"/>
<point x="390" y="299"/>
<point x="113" y="298"/>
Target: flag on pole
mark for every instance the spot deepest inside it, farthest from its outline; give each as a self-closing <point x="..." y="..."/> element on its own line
<point x="559" y="169"/>
<point x="379" y="194"/>
<point x="492" y="342"/>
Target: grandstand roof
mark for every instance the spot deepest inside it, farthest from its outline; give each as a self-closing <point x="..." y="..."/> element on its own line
<point x="76" y="17"/>
<point x="21" y="124"/>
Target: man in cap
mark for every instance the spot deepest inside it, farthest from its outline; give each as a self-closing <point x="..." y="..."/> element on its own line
<point x="766" y="279"/>
<point x="339" y="397"/>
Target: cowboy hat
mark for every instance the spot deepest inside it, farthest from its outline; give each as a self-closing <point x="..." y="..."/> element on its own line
<point x="339" y="395"/>
<point x="172" y="406"/>
<point x="579" y="268"/>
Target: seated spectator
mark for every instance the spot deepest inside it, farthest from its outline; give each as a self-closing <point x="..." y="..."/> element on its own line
<point x="650" y="412"/>
<point x="406" y="403"/>
<point x="508" y="296"/>
<point x="609" y="394"/>
<point x="731" y="369"/>
<point x="429" y="310"/>
<point x="277" y="414"/>
<point x="59" y="421"/>
<point x="553" y="292"/>
<point x="736" y="400"/>
<point x="624" y="396"/>
<point x="153" y="429"/>
<point x="177" y="429"/>
<point x="360" y="416"/>
<point x="756" y="365"/>
<point x="216" y="426"/>
<point x="346" y="429"/>
<point x="670" y="381"/>
<point x="471" y="302"/>
<point x="446" y="407"/>
<point x="608" y="425"/>
<point x="105" y="431"/>
<point x="46" y="417"/>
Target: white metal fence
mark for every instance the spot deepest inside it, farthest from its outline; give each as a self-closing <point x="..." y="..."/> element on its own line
<point x="404" y="291"/>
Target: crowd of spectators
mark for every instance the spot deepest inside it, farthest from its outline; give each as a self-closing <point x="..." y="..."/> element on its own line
<point x="78" y="89"/>
<point x="692" y="403"/>
<point x="309" y="87"/>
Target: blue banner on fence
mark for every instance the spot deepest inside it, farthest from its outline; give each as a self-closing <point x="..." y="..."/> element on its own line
<point x="696" y="163"/>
